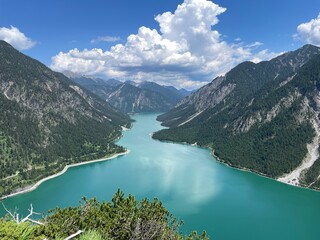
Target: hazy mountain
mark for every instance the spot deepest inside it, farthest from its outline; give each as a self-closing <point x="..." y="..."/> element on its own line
<point x="169" y="92"/>
<point x="185" y="92"/>
<point x="98" y="86"/>
<point x="131" y="96"/>
<point x="133" y="83"/>
<point x="113" y="82"/>
<point x="263" y="117"/>
<point x="48" y="121"/>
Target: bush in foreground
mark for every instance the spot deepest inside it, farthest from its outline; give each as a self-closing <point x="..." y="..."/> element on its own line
<point x="122" y="218"/>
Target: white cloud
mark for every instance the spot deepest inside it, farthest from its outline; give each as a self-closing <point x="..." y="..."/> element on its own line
<point x="309" y="32"/>
<point x="255" y="44"/>
<point x="16" y="38"/>
<point x="263" y="55"/>
<point x="106" y="39"/>
<point x="186" y="52"/>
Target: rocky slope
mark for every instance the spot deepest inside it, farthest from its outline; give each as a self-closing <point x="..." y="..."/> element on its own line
<point x="263" y="117"/>
<point x="48" y="121"/>
<point x="98" y="86"/>
<point x="129" y="99"/>
<point x="132" y="97"/>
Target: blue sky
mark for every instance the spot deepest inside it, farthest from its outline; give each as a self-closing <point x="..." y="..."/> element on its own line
<point x="184" y="46"/>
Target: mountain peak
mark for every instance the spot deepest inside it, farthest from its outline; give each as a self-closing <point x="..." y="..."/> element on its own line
<point x="4" y="43"/>
<point x="306" y="51"/>
<point x="309" y="47"/>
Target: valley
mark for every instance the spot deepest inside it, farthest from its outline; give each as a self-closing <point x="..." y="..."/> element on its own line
<point x="166" y="120"/>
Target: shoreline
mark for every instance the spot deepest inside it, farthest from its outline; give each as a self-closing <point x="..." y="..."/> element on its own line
<point x="65" y="169"/>
<point x="243" y="169"/>
<point x="310" y="158"/>
<point x="221" y="161"/>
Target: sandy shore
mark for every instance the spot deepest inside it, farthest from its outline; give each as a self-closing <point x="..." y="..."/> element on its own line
<point x="37" y="184"/>
<point x="258" y="173"/>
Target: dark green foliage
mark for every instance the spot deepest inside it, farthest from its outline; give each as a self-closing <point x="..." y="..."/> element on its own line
<point x="122" y="218"/>
<point x="273" y="149"/>
<point x="311" y="176"/>
<point x="47" y="121"/>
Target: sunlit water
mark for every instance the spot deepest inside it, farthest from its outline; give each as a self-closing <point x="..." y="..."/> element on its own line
<point x="228" y="203"/>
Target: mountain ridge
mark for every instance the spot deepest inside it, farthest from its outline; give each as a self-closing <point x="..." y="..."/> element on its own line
<point x="258" y="116"/>
<point x="131" y="97"/>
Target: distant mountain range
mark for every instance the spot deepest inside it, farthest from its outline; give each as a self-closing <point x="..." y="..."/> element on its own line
<point x="263" y="117"/>
<point x="48" y="121"/>
<point x="132" y="97"/>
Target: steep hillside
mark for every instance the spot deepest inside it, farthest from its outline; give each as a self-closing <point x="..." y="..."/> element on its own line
<point x="48" y="121"/>
<point x="263" y="117"/>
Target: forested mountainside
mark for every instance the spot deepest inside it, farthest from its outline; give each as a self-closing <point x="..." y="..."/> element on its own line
<point x="263" y="117"/>
<point x="47" y="121"/>
<point x="131" y="97"/>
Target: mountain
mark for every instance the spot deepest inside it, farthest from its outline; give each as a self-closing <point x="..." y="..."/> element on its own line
<point x="91" y="80"/>
<point x="263" y="117"/>
<point x="131" y="96"/>
<point x="185" y="92"/>
<point x="98" y="86"/>
<point x="133" y="83"/>
<point x="113" y="82"/>
<point x="170" y="92"/>
<point x="48" y="121"/>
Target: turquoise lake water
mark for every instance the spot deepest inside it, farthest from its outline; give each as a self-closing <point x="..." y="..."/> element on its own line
<point x="228" y="203"/>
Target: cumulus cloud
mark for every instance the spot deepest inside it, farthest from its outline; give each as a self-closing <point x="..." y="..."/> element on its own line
<point x="185" y="52"/>
<point x="309" y="32"/>
<point x="106" y="39"/>
<point x="16" y="38"/>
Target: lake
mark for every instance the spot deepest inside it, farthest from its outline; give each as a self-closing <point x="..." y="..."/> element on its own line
<point x="228" y="203"/>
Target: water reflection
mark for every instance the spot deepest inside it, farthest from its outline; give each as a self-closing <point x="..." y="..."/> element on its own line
<point x="172" y="168"/>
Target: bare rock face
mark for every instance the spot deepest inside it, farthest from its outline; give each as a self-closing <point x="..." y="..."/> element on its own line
<point x="263" y="117"/>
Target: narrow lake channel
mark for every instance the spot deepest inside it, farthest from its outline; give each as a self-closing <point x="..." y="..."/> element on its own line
<point x="228" y="203"/>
